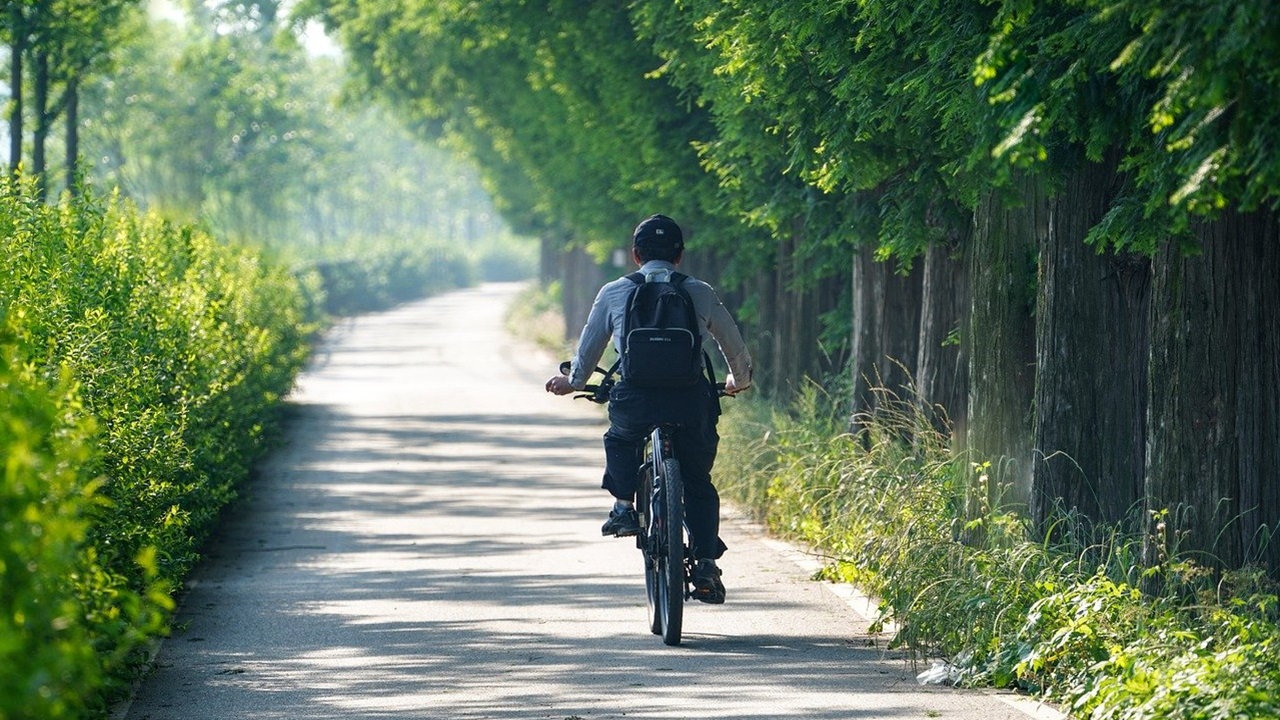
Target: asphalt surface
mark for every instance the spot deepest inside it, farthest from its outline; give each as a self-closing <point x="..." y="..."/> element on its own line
<point x="426" y="545"/>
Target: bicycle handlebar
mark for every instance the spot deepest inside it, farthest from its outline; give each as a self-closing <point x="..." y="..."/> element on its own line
<point x="599" y="392"/>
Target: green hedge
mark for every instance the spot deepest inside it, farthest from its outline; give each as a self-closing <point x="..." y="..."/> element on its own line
<point x="368" y="275"/>
<point x="142" y="366"/>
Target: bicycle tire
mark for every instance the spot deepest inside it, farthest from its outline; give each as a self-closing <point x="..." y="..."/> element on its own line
<point x="647" y="543"/>
<point x="670" y="558"/>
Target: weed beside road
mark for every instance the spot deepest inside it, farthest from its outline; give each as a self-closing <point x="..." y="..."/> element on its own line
<point x="1082" y="621"/>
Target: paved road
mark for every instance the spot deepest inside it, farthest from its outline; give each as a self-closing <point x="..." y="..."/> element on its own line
<point x="427" y="545"/>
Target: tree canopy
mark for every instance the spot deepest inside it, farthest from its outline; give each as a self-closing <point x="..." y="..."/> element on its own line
<point x="1042" y="174"/>
<point x="766" y="112"/>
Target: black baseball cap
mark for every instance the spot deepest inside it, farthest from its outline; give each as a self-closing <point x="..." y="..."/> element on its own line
<point x="658" y="232"/>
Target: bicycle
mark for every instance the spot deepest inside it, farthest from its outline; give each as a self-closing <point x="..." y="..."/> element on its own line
<point x="663" y="538"/>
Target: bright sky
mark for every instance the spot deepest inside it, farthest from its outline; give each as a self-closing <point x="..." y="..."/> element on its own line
<point x="317" y="42"/>
<point x="313" y="37"/>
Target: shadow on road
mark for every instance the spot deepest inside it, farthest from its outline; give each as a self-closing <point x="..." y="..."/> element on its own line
<point x="426" y="545"/>
<point x="386" y="564"/>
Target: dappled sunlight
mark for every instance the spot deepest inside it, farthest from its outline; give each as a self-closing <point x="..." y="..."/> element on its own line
<point x="416" y="552"/>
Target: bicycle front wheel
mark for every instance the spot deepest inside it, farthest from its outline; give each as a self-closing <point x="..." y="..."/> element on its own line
<point x="670" y="558"/>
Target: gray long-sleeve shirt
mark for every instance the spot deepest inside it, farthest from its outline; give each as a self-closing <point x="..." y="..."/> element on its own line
<point x="610" y="308"/>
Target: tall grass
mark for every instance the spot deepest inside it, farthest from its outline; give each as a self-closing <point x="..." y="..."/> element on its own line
<point x="535" y="316"/>
<point x="893" y="508"/>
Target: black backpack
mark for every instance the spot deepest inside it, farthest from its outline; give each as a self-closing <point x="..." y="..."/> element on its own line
<point x="661" y="341"/>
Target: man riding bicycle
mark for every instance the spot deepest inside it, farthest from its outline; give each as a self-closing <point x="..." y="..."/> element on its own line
<point x="657" y="248"/>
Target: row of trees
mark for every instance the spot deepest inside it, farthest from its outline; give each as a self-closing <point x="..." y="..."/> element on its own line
<point x="215" y="110"/>
<point x="228" y="117"/>
<point x="56" y="47"/>
<point x="1057" y="218"/>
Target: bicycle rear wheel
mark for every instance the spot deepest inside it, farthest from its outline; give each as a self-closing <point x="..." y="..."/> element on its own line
<point x="669" y="560"/>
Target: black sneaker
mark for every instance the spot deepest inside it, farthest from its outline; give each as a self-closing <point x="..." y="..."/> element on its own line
<point x="621" y="523"/>
<point x="706" y="582"/>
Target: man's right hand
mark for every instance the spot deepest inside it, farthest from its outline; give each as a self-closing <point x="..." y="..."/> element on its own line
<point x="559" y="385"/>
<point x="731" y="385"/>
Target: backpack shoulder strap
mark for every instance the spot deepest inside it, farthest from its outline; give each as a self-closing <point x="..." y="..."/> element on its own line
<point x="636" y="277"/>
<point x="677" y="282"/>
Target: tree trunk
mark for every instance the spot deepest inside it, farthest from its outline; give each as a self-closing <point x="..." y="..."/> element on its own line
<point x="548" y="260"/>
<point x="16" y="50"/>
<point x="1213" y="452"/>
<point x="864" y="348"/>
<point x="784" y="327"/>
<point x="763" y="333"/>
<point x="886" y="332"/>
<point x="41" y="112"/>
<point x="73" y="135"/>
<point x="942" y="372"/>
<point x="900" y="328"/>
<point x="799" y="302"/>
<point x="1001" y="340"/>
<point x="781" y="361"/>
<point x="1091" y="365"/>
